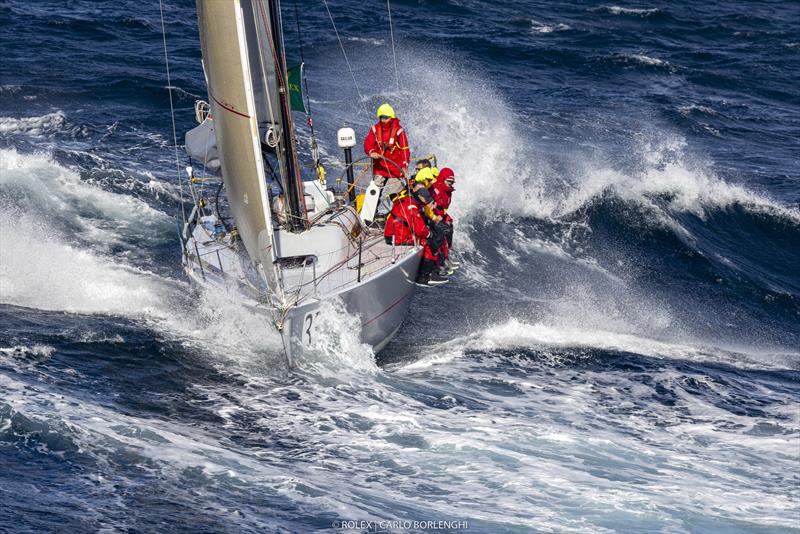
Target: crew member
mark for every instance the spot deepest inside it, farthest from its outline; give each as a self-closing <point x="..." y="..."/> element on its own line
<point x="419" y="190"/>
<point x="405" y="226"/>
<point x="437" y="241"/>
<point x="423" y="164"/>
<point x="386" y="143"/>
<point x="442" y="193"/>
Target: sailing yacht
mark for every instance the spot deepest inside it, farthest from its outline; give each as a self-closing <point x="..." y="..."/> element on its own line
<point x="286" y="245"/>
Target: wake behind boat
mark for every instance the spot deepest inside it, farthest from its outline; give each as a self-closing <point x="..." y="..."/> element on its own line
<point x="284" y="243"/>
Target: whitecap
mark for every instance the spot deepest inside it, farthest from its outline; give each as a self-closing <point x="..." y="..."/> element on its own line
<point x="103" y="218"/>
<point x="34" y="126"/>
<point x="367" y="40"/>
<point x="38" y="269"/>
<point x="541" y="27"/>
<point x="39" y="350"/>
<point x="647" y="60"/>
<point x="639" y="12"/>
<point x="696" y="108"/>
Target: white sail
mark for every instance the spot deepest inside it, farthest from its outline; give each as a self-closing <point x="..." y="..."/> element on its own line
<point x="230" y="90"/>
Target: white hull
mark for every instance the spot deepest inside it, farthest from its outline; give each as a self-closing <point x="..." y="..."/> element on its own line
<point x="381" y="302"/>
<point x="379" y="293"/>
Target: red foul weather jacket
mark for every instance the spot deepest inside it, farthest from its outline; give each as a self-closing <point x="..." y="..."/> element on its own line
<point x="442" y="194"/>
<point x="390" y="141"/>
<point x="405" y="223"/>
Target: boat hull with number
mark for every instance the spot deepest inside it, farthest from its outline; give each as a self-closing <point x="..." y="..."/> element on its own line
<point x="381" y="303"/>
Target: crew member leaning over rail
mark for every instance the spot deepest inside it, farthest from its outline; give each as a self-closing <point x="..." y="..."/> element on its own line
<point x="442" y="193"/>
<point x="405" y="226"/>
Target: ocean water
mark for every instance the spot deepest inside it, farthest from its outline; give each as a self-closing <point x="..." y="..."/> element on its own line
<point x="620" y="351"/>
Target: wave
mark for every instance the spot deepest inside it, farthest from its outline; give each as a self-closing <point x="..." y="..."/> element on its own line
<point x="58" y="235"/>
<point x="39" y="270"/>
<point x="499" y="173"/>
<point x="541" y="27"/>
<point x="35" y="184"/>
<point x="366" y="40"/>
<point x="647" y="60"/>
<point x="637" y="12"/>
<point x="696" y="108"/>
<point x="63" y="425"/>
<point x="37" y="350"/>
<point x="515" y="334"/>
<point x="34" y="126"/>
<point x="10" y="89"/>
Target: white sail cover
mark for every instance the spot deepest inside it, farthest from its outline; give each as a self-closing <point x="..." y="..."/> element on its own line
<point x="233" y="108"/>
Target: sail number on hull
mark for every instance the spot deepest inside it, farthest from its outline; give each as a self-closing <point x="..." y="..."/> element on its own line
<point x="308" y="334"/>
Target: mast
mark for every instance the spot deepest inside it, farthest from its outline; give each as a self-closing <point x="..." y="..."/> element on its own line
<point x="269" y="59"/>
<point x="295" y="192"/>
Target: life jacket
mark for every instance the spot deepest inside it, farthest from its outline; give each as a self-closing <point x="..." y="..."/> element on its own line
<point x="394" y="132"/>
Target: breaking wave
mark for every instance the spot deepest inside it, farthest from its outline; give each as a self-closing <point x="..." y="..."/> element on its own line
<point x="38" y="350"/>
<point x="34" y="183"/>
<point x="647" y="60"/>
<point x="515" y="335"/>
<point x="542" y="27"/>
<point x="77" y="280"/>
<point x="34" y="126"/>
<point x="500" y="174"/>
<point x="632" y="11"/>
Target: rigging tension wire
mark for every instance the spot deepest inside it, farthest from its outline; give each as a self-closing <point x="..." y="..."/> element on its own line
<point x="394" y="53"/>
<point x="172" y="112"/>
<point x="304" y="80"/>
<point x="302" y="57"/>
<point x="341" y="45"/>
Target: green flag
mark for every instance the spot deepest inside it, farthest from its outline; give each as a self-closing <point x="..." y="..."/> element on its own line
<point x="295" y="78"/>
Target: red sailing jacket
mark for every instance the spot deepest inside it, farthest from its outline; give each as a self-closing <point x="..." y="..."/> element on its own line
<point x="405" y="223"/>
<point x="442" y="194"/>
<point x="390" y="141"/>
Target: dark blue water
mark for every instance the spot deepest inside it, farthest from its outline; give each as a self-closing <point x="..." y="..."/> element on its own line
<point x="619" y="352"/>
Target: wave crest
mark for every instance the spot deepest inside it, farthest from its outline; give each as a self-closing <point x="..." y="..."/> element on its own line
<point x="631" y="11"/>
<point x="34" y="126"/>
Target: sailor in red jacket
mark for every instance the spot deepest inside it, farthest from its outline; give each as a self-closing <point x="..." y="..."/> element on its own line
<point x="406" y="226"/>
<point x="404" y="223"/>
<point x="442" y="193"/>
<point x="387" y="141"/>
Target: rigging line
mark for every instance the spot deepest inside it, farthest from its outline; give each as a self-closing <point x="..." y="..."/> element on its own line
<point x="304" y="80"/>
<point x="302" y="57"/>
<point x="341" y="45"/>
<point x="260" y="15"/>
<point x="394" y="53"/>
<point x="172" y="112"/>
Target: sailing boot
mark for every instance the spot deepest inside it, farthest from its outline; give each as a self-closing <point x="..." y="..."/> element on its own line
<point x="445" y="271"/>
<point x="423" y="281"/>
<point x="436" y="279"/>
